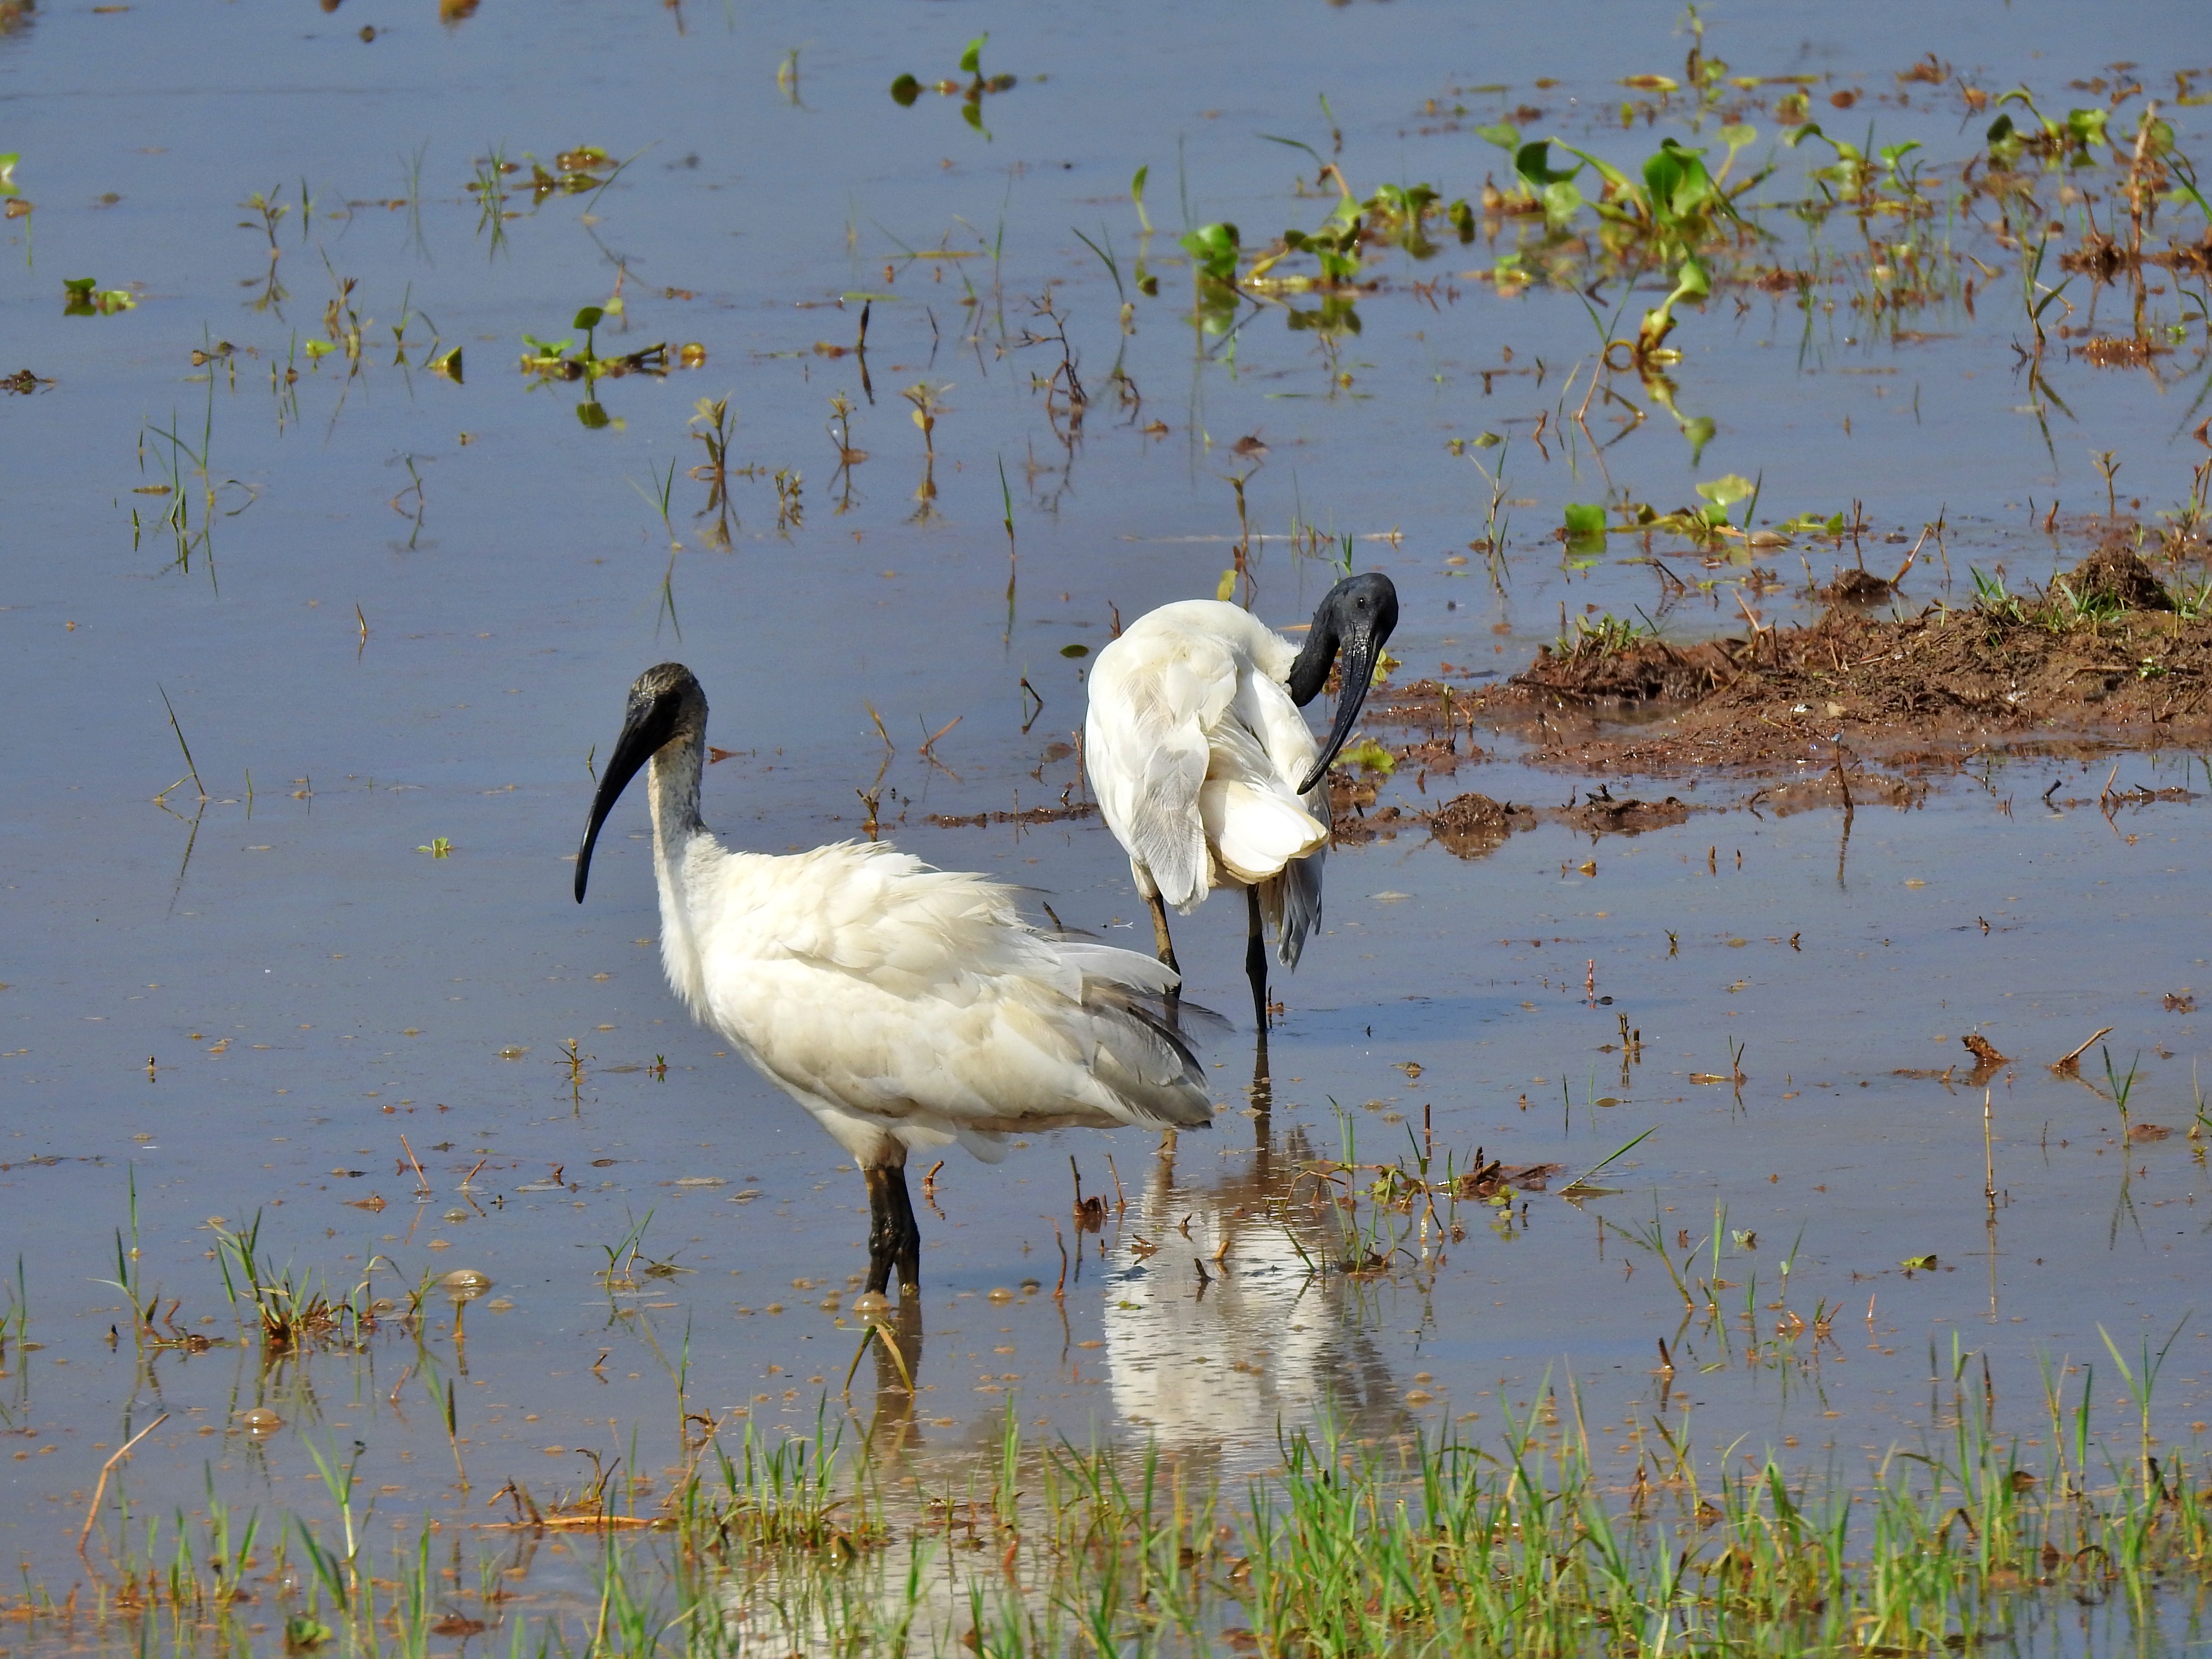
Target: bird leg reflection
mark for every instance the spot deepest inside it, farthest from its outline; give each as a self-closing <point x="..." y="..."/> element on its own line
<point x="898" y="1343"/>
<point x="1263" y="1104"/>
<point x="894" y="1236"/>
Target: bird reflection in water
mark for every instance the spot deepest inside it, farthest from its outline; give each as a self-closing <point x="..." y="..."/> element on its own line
<point x="1219" y="1337"/>
<point x="1225" y="1320"/>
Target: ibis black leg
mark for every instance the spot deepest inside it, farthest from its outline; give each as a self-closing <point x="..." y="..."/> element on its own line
<point x="894" y="1236"/>
<point x="1161" y="942"/>
<point x="1166" y="949"/>
<point x="1255" y="962"/>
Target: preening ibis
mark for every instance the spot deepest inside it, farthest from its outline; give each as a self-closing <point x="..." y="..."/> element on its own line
<point x="905" y="1007"/>
<point x="1204" y="768"/>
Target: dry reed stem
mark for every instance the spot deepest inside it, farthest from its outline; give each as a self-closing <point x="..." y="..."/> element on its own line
<point x="108" y="1468"/>
<point x="2069" y="1063"/>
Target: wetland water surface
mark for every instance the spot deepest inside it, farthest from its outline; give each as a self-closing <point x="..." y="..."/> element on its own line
<point x="436" y="372"/>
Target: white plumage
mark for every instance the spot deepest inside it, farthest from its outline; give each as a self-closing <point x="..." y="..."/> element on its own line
<point x="898" y="1002"/>
<point x="1195" y="750"/>
<point x="1203" y="766"/>
<point x="905" y="1007"/>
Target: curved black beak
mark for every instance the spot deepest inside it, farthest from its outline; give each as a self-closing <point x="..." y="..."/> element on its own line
<point x="649" y="723"/>
<point x="1350" y="627"/>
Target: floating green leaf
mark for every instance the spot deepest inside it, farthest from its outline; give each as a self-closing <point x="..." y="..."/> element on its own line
<point x="1369" y="755"/>
<point x="1585" y="526"/>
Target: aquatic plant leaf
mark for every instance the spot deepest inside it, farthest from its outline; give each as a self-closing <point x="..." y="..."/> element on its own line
<point x="1213" y="249"/>
<point x="1369" y="755"/>
<point x="1584" y="530"/>
<point x="1533" y="161"/>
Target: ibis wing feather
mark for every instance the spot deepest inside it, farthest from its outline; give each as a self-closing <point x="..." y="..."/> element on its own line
<point x="1155" y="695"/>
<point x="890" y="998"/>
<point x="1196" y="751"/>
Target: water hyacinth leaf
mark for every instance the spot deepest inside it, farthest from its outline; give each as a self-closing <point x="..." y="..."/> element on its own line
<point x="1585" y="526"/>
<point x="973" y="115"/>
<point x="1214" y="251"/>
<point x="1700" y="431"/>
<point x="905" y="90"/>
<point x="1562" y="201"/>
<point x="1337" y="315"/>
<point x="588" y="317"/>
<point x="971" y="60"/>
<point x="1225" y="589"/>
<point x="1681" y="187"/>
<point x="1727" y="490"/>
<point x="1533" y="161"/>
<point x="1076" y="650"/>
<point x="1507" y="138"/>
<point x="82" y="297"/>
<point x="1739" y="136"/>
<point x="1486" y="441"/>
<point x="593" y="414"/>
<point x="1369" y="755"/>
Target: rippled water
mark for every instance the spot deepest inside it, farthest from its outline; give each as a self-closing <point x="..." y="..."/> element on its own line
<point x="407" y="622"/>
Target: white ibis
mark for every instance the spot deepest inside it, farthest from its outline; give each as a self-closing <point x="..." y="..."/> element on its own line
<point x="905" y="1007"/>
<point x="1204" y="768"/>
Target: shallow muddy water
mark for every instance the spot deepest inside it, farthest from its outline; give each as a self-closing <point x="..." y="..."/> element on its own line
<point x="393" y="611"/>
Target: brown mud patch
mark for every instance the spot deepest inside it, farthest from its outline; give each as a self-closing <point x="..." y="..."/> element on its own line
<point x="2106" y="657"/>
<point x="1472" y="825"/>
<point x="1032" y="816"/>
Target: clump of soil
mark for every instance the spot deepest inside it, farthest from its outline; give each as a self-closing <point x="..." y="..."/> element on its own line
<point x="1471" y="825"/>
<point x="1983" y="1051"/>
<point x="2103" y="651"/>
<point x="1492" y="1178"/>
<point x="2115" y="575"/>
<point x="1033" y="815"/>
<point x="1858" y="587"/>
<point x="1642" y="671"/>
<point x="1604" y="815"/>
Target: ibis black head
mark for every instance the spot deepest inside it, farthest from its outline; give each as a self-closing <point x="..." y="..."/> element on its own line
<point x="1355" y="619"/>
<point x="666" y="705"/>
